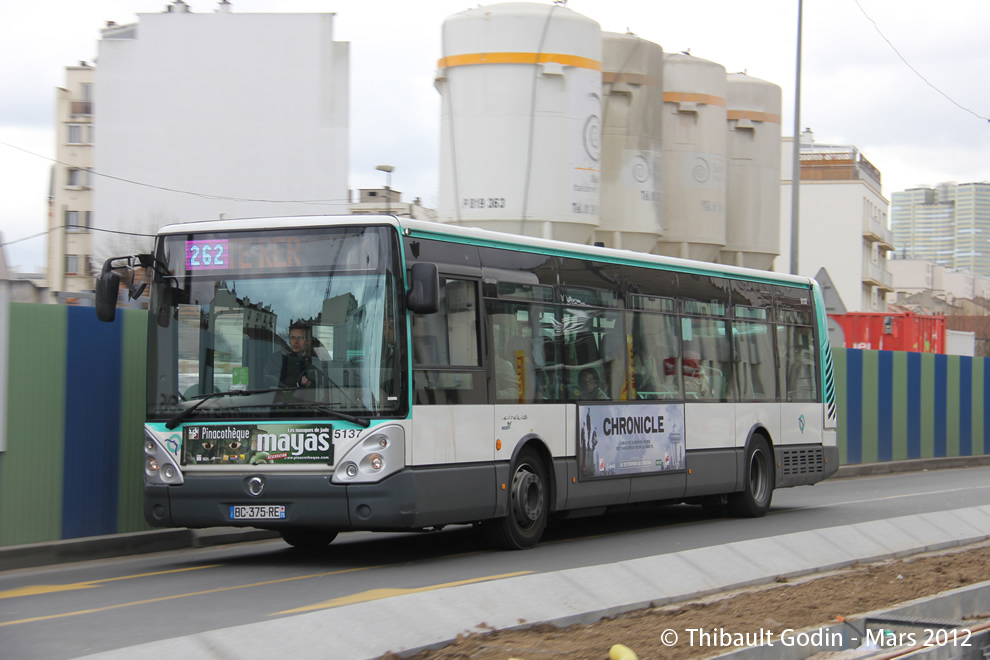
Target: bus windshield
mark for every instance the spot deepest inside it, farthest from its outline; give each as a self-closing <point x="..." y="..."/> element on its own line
<point x="293" y="324"/>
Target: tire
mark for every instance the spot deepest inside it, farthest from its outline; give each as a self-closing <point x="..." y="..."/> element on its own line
<point x="308" y="538"/>
<point x="529" y="506"/>
<point x="758" y="476"/>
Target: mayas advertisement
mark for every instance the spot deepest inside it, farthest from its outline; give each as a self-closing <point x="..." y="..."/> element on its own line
<point x="258" y="444"/>
<point x="620" y="440"/>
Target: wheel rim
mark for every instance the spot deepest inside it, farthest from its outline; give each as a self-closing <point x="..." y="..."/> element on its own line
<point x="527" y="497"/>
<point x="759" y="476"/>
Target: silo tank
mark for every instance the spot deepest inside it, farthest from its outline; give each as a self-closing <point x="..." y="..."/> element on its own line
<point x="694" y="180"/>
<point x="521" y="105"/>
<point x="632" y="81"/>
<point x="752" y="232"/>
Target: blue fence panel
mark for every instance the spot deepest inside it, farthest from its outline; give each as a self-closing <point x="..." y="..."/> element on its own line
<point x="92" y="427"/>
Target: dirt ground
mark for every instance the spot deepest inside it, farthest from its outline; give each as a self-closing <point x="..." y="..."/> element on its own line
<point x="800" y="603"/>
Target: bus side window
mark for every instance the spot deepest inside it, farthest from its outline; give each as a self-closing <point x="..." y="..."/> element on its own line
<point x="705" y="358"/>
<point x="796" y="357"/>
<point x="446" y="361"/>
<point x="655" y="356"/>
<point x="525" y="358"/>
<point x="754" y="363"/>
<point x="594" y="339"/>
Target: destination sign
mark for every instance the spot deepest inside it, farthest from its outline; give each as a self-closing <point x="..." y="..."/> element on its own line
<point x="350" y="248"/>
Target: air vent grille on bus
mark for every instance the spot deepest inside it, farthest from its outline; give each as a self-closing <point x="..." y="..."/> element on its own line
<point x="830" y="406"/>
<point x="802" y="461"/>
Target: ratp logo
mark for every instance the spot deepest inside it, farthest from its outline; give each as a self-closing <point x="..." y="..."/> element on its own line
<point x="801" y="423"/>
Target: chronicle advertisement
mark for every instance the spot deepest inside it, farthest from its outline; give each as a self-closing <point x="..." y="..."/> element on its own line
<point x="621" y="440"/>
<point x="258" y="444"/>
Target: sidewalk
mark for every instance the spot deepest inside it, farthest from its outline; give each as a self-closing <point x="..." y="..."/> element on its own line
<point x="133" y="543"/>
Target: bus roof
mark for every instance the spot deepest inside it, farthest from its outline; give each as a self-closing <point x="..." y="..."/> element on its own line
<point x="476" y="236"/>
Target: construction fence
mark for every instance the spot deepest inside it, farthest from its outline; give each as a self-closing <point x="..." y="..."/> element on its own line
<point x="72" y="462"/>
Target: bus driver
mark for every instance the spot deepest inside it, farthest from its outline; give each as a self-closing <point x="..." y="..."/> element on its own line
<point x="298" y="368"/>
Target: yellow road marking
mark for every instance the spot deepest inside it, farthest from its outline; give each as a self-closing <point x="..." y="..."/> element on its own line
<point x="378" y="594"/>
<point x="38" y="589"/>
<point x="177" y="596"/>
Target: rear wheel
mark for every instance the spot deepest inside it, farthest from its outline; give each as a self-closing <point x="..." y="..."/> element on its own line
<point x="308" y="538"/>
<point x="754" y="500"/>
<point x="529" y="506"/>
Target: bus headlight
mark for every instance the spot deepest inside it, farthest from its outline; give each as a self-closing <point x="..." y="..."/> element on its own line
<point x="381" y="453"/>
<point x="160" y="467"/>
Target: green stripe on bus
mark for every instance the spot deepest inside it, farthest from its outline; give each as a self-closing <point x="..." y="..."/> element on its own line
<point x="539" y="249"/>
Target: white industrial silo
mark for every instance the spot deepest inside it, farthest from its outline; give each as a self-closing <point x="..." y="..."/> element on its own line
<point x="694" y="177"/>
<point x="632" y="81"/>
<point x="752" y="232"/>
<point x="521" y="106"/>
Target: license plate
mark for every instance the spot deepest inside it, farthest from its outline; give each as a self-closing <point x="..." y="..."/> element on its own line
<point x="267" y="512"/>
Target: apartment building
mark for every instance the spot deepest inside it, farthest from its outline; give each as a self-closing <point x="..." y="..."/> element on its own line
<point x="843" y="222"/>
<point x="70" y="214"/>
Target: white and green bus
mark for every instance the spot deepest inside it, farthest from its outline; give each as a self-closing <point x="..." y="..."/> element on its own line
<point x="321" y="374"/>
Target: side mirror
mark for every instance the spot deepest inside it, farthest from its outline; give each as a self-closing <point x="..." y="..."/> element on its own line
<point x="107" y="288"/>
<point x="423" y="296"/>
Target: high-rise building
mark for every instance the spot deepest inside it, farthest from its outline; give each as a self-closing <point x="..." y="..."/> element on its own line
<point x="70" y="214"/>
<point x="843" y="222"/>
<point x="948" y="225"/>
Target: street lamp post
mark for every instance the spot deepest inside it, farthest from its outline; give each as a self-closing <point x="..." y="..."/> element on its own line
<point x="387" y="169"/>
<point x="796" y="155"/>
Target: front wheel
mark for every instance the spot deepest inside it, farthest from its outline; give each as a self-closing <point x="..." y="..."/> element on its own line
<point x="754" y="500"/>
<point x="529" y="506"/>
<point x="308" y="538"/>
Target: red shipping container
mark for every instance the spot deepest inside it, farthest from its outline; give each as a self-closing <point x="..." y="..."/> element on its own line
<point x="903" y="331"/>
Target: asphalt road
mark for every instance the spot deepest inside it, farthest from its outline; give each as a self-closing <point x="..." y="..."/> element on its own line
<point x="72" y="610"/>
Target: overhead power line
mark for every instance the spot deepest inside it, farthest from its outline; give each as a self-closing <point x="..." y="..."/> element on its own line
<point x="323" y="202"/>
<point x="80" y="228"/>
<point x="916" y="72"/>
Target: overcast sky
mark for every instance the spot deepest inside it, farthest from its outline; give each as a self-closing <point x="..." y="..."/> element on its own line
<point x="917" y="129"/>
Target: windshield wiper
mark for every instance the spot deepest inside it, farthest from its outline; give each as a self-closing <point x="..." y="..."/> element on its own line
<point x="177" y="419"/>
<point x="360" y="421"/>
<point x="203" y="398"/>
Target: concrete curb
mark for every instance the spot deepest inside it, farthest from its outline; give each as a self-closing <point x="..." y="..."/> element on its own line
<point x="914" y="465"/>
<point x="432" y="619"/>
<point x="118" y="545"/>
